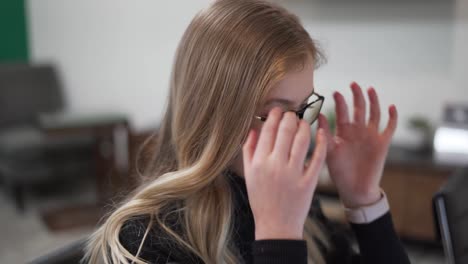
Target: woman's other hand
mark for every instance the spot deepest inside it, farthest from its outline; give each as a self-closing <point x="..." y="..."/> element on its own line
<point x="357" y="152"/>
<point x="280" y="187"/>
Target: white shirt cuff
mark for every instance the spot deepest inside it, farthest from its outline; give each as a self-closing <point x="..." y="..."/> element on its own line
<point x="369" y="213"/>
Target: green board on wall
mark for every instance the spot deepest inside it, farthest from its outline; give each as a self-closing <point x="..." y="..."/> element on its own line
<point x="13" y="32"/>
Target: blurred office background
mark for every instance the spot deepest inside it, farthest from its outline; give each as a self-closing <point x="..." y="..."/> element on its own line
<point x="108" y="63"/>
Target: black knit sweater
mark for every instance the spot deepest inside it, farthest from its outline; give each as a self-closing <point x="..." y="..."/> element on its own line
<point x="378" y="242"/>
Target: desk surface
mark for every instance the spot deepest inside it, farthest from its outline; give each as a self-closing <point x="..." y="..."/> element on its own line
<point x="401" y="156"/>
<point x="76" y="120"/>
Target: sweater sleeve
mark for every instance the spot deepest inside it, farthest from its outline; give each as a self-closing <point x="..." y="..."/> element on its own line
<point x="267" y="251"/>
<point x="379" y="242"/>
<point x="157" y="248"/>
<point x="279" y="251"/>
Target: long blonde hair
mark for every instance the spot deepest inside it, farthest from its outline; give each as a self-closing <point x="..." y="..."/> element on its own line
<point x="227" y="61"/>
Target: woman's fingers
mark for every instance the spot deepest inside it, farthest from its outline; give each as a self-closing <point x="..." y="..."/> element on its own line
<point x="323" y="124"/>
<point x="300" y="145"/>
<point x="317" y="160"/>
<point x="286" y="134"/>
<point x="248" y="148"/>
<point x="268" y="133"/>
<point x="359" y="104"/>
<point x="342" y="116"/>
<point x="392" y="123"/>
<point x="374" y="118"/>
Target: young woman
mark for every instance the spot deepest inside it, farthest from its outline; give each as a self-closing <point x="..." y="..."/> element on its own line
<point x="228" y="180"/>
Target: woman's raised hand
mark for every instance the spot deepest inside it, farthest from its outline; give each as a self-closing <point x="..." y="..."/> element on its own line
<point x="357" y="151"/>
<point x="280" y="186"/>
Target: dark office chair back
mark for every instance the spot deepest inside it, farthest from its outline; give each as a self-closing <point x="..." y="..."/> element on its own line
<point x="451" y="214"/>
<point x="27" y="90"/>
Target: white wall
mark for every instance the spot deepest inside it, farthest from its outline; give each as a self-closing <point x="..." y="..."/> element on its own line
<point x="461" y="48"/>
<point x="405" y="49"/>
<point x="114" y="55"/>
<point x="117" y="54"/>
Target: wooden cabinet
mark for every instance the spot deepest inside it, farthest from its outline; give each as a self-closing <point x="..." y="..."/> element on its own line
<point x="409" y="185"/>
<point x="111" y="134"/>
<point x="410" y="190"/>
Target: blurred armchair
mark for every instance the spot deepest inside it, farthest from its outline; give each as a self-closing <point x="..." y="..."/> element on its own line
<point x="451" y="216"/>
<point x="28" y="156"/>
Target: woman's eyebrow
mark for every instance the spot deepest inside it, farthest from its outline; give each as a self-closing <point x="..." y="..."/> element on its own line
<point x="287" y="102"/>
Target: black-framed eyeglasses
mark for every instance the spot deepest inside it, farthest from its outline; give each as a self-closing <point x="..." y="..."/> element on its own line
<point x="310" y="112"/>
